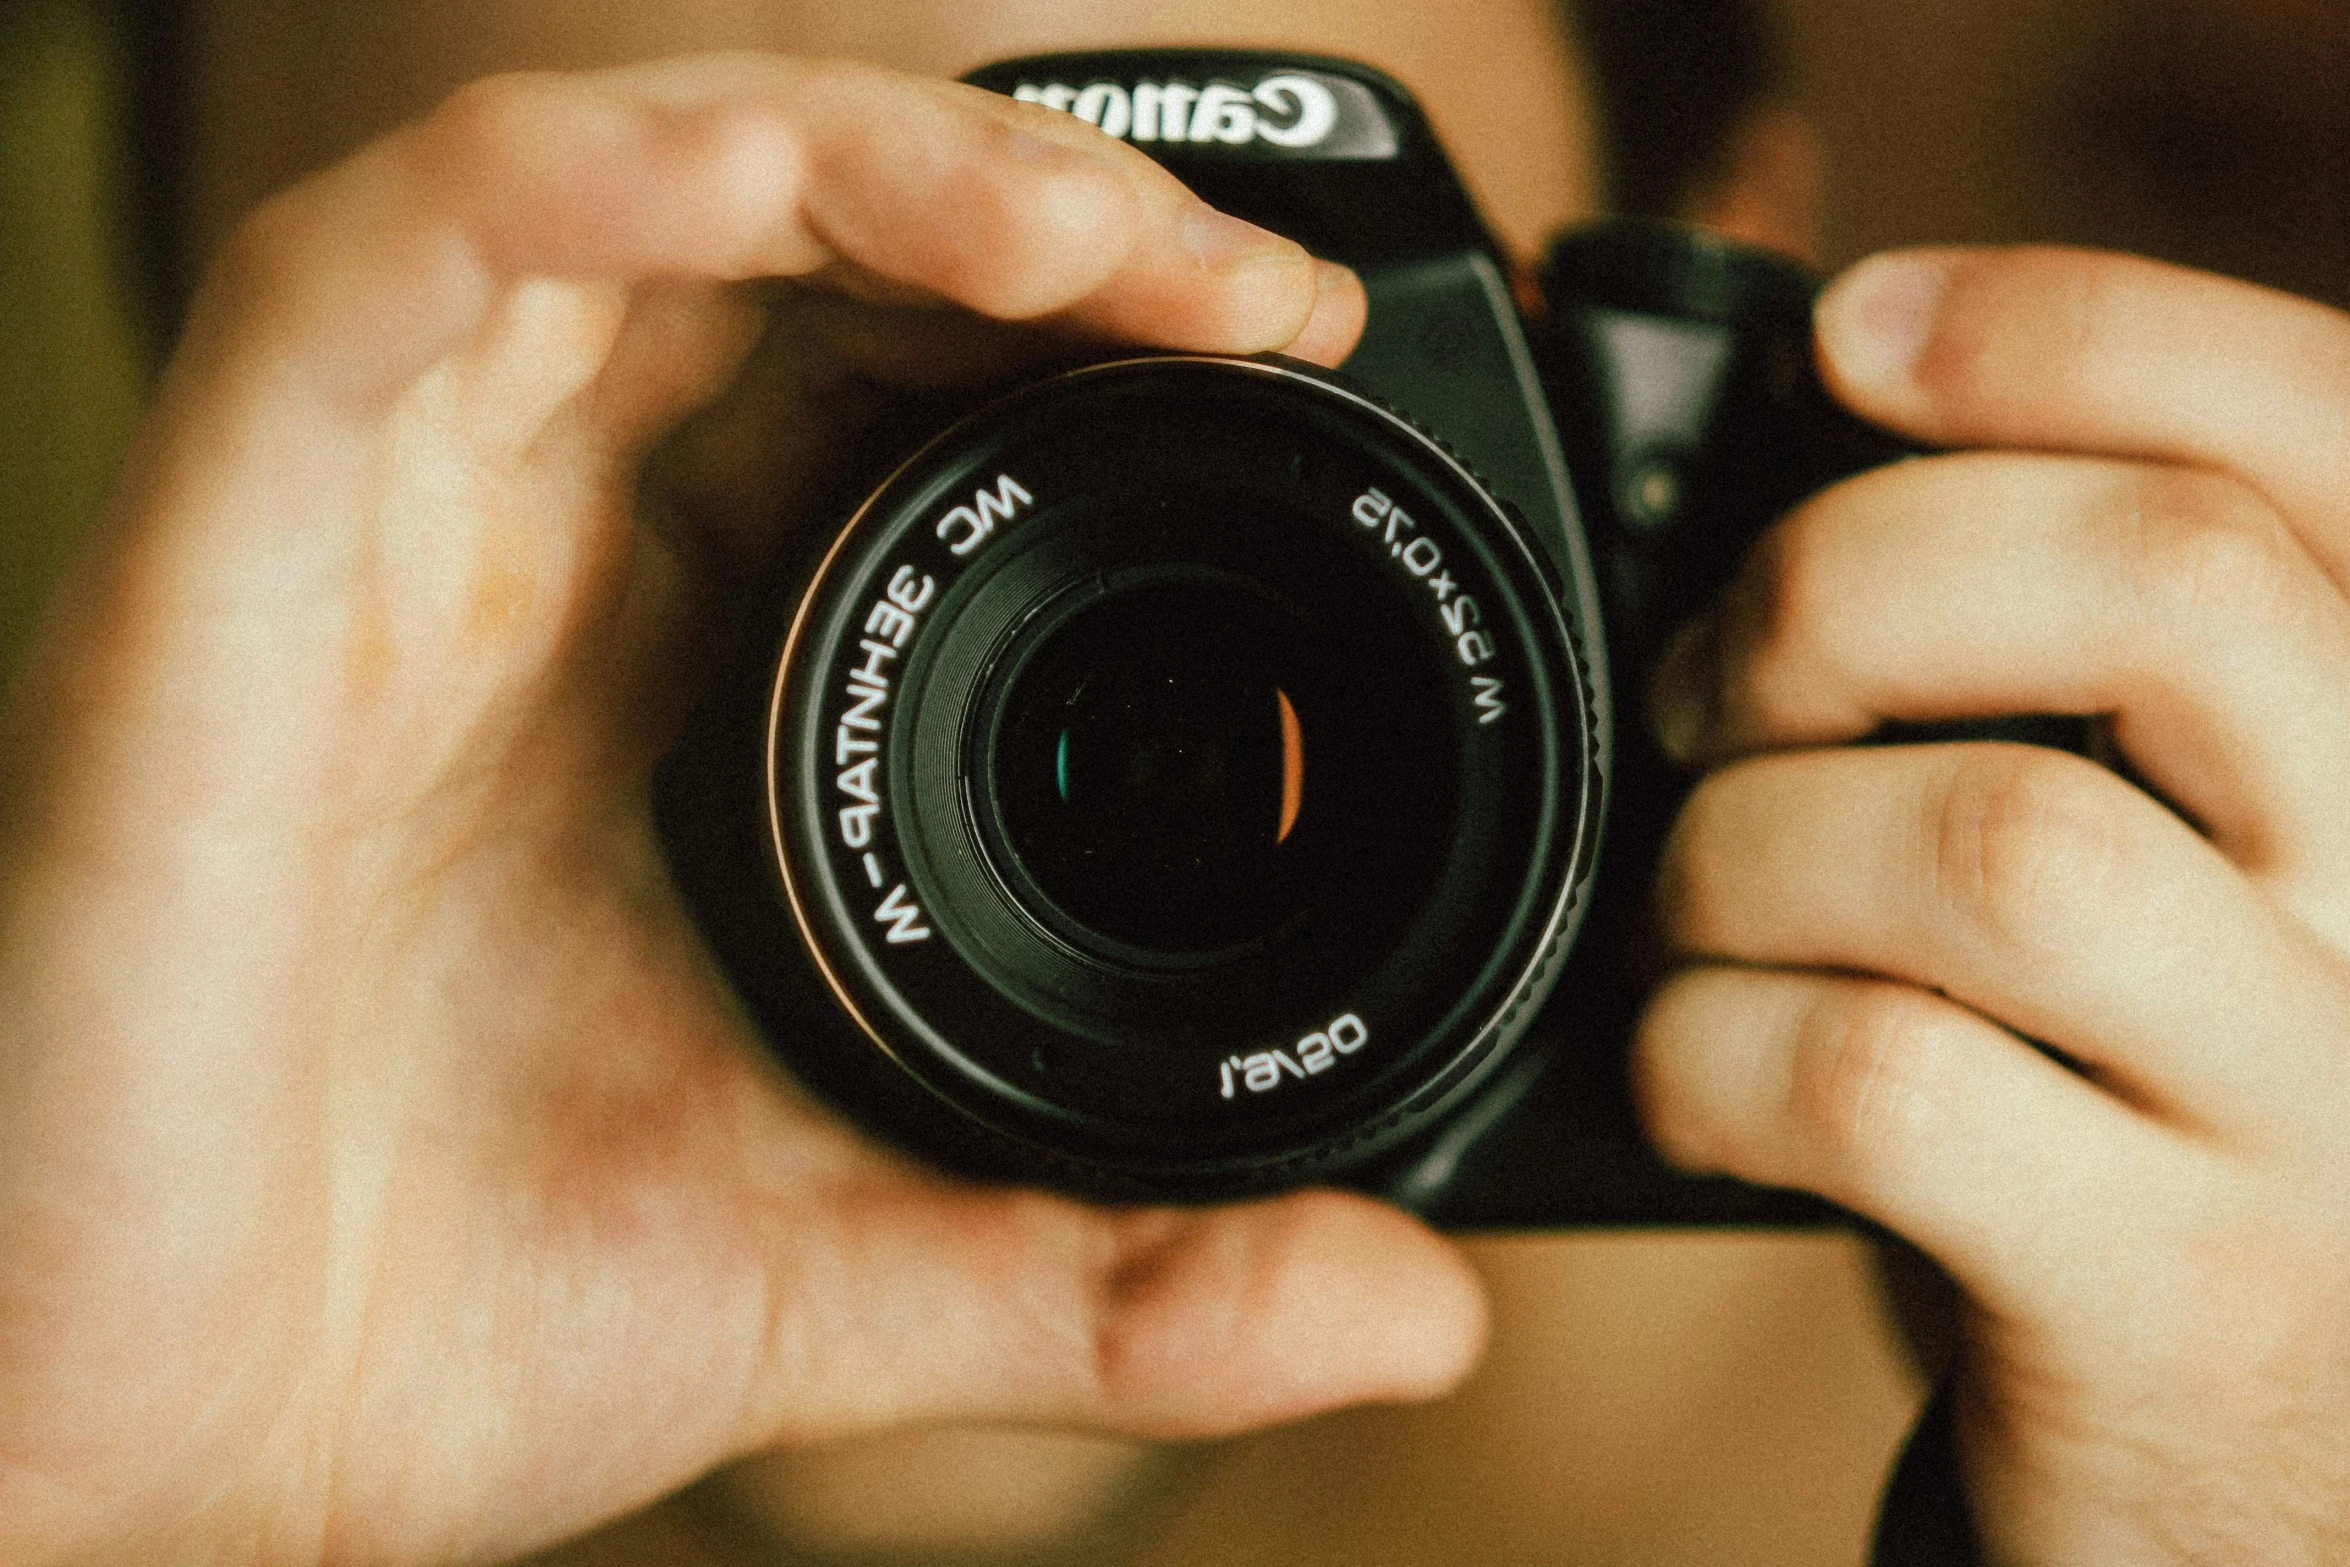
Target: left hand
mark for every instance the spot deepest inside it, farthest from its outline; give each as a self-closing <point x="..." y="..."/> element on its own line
<point x="385" y="1172"/>
<point x="2152" y="525"/>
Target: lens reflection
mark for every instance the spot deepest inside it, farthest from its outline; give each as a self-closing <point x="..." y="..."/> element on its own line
<point x="1151" y="766"/>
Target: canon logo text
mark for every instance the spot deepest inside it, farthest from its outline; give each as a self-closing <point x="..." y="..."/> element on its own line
<point x="1290" y="111"/>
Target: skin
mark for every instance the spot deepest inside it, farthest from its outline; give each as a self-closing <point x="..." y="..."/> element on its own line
<point x="295" y="86"/>
<point x="386" y="1178"/>
<point x="2154" y="526"/>
<point x="383" y="1176"/>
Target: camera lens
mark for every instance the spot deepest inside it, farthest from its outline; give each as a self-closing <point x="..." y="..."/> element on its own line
<point x="1183" y="768"/>
<point x="1150" y="766"/>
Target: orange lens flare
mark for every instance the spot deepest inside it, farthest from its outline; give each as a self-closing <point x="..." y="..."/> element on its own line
<point x="1293" y="767"/>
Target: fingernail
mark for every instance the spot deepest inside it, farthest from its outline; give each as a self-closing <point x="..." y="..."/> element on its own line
<point x="1684" y="696"/>
<point x="1219" y="240"/>
<point x="1874" y="321"/>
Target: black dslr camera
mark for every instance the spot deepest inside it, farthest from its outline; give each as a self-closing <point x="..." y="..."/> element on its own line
<point x="1184" y="777"/>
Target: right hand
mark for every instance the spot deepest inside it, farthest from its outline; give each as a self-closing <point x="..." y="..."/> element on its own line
<point x="2143" y="513"/>
<point x="384" y="1171"/>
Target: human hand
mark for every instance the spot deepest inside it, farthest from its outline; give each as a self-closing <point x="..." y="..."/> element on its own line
<point x="384" y="1173"/>
<point x="2155" y="1249"/>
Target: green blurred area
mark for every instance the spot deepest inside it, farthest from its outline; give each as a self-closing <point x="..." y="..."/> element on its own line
<point x="73" y="365"/>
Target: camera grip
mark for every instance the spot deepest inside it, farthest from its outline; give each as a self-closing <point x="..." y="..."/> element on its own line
<point x="1680" y="370"/>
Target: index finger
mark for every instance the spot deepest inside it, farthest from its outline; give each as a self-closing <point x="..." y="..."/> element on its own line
<point x="729" y="167"/>
<point x="2074" y="350"/>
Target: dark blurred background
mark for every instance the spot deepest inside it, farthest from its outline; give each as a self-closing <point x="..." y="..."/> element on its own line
<point x="72" y="364"/>
<point x="2213" y="132"/>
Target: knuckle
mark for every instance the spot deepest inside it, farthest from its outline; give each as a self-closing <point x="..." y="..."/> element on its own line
<point x="2025" y="846"/>
<point x="995" y="266"/>
<point x="2202" y="552"/>
<point x="490" y="144"/>
<point x="1053" y="226"/>
<point x="1868" y="1081"/>
<point x="491" y="113"/>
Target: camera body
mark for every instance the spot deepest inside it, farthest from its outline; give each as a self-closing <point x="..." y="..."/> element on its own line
<point x="1188" y="777"/>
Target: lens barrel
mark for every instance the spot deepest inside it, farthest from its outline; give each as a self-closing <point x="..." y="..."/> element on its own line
<point x="1184" y="768"/>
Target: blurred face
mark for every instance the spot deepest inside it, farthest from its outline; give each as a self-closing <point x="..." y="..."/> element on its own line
<point x="285" y="85"/>
<point x="2212" y="132"/>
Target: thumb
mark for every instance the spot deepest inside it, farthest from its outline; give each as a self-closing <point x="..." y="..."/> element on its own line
<point x="933" y="1302"/>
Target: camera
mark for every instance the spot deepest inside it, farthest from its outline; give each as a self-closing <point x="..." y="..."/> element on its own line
<point x="1183" y="777"/>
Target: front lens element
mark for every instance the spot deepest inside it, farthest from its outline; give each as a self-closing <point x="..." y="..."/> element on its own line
<point x="1147" y="765"/>
<point x="1148" y="782"/>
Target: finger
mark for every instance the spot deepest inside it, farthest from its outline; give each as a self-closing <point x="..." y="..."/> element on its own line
<point x="1336" y="324"/>
<point x="952" y="1303"/>
<point x="730" y="167"/>
<point x="2079" y="351"/>
<point x="679" y="347"/>
<point x="1972" y="585"/>
<point x="2034" y="887"/>
<point x="819" y="371"/>
<point x="1902" y="1106"/>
